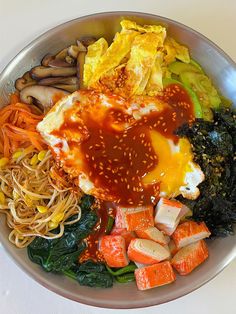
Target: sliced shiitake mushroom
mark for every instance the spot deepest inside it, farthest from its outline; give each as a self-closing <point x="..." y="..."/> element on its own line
<point x="40" y="72"/>
<point x="73" y="51"/>
<point x="87" y="40"/>
<point x="70" y="60"/>
<point x="68" y="88"/>
<point x="58" y="63"/>
<point x="62" y="54"/>
<point x="71" y="80"/>
<point x="24" y="81"/>
<point x="62" y="59"/>
<point x="57" y="73"/>
<point x="80" y="67"/>
<point x="43" y="94"/>
<point x="46" y="59"/>
<point x="81" y="46"/>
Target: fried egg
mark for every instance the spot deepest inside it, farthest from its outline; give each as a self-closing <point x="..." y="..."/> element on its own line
<point x="176" y="171"/>
<point x="112" y="147"/>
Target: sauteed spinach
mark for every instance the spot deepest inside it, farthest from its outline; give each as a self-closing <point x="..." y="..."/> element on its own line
<point x="90" y="274"/>
<point x="58" y="255"/>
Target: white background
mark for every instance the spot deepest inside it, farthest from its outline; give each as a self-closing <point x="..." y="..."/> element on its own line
<point x="20" y="22"/>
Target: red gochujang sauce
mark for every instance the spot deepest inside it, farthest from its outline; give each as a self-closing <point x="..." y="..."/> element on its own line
<point x="104" y="210"/>
<point x="117" y="160"/>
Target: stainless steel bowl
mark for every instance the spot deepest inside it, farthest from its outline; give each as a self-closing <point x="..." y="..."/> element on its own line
<point x="217" y="65"/>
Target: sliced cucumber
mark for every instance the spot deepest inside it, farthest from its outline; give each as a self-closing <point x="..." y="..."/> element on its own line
<point x="178" y="67"/>
<point x="197" y="106"/>
<point x="197" y="65"/>
<point x="206" y="92"/>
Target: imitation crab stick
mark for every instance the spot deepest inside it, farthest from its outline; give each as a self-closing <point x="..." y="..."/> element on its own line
<point x="154" y="276"/>
<point x="172" y="247"/>
<point x="167" y="212"/>
<point x="167" y="230"/>
<point x="139" y="218"/>
<point x="127" y="235"/>
<point x="147" y="252"/>
<point x="152" y="233"/>
<point x="114" y="251"/>
<point x="190" y="232"/>
<point x="139" y="265"/>
<point x="189" y="257"/>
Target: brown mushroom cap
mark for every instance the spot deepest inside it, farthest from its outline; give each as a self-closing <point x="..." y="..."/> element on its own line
<point x="73" y="51"/>
<point x="71" y="80"/>
<point x="81" y="46"/>
<point x="21" y="83"/>
<point x="43" y="94"/>
<point x="80" y="67"/>
<point x="58" y="63"/>
<point x="65" y="87"/>
<point x="87" y="40"/>
<point x="62" y="54"/>
<point x="46" y="59"/>
<point x="40" y="72"/>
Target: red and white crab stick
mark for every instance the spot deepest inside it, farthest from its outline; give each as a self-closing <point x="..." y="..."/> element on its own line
<point x="152" y="233"/>
<point x="154" y="276"/>
<point x="113" y="249"/>
<point x="168" y="214"/>
<point x="147" y="252"/>
<point x="134" y="218"/>
<point x="190" y="232"/>
<point x="189" y="257"/>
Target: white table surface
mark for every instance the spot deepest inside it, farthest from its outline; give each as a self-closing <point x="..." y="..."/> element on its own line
<point x="20" y="22"/>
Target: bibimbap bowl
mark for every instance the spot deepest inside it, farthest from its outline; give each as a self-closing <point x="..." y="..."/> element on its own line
<point x="220" y="68"/>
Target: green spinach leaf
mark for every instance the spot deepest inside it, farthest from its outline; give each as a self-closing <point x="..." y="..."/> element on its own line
<point x="59" y="254"/>
<point x="91" y="274"/>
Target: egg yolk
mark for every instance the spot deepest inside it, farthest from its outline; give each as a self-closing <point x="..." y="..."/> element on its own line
<point x="173" y="163"/>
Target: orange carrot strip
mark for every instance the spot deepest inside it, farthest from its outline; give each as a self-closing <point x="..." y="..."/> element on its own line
<point x="18" y="127"/>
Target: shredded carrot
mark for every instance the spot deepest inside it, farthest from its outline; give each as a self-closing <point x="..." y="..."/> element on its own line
<point x="18" y="127"/>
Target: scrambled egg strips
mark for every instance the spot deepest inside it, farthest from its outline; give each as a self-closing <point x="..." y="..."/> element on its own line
<point x="135" y="61"/>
